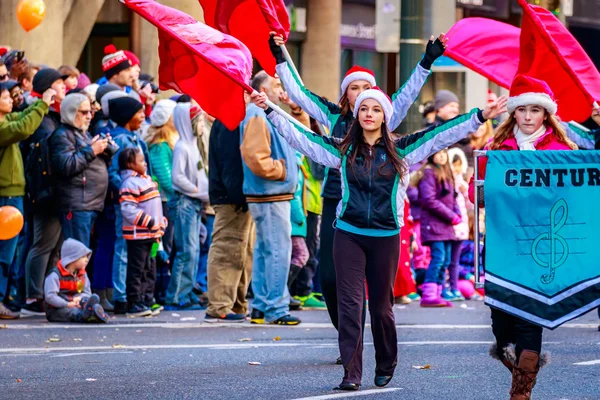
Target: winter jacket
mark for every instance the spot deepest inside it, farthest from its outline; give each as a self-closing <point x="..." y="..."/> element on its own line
<point x="188" y="175"/>
<point x="373" y="202"/>
<point x="412" y="192"/>
<point x="438" y="208"/>
<point x="124" y="139"/>
<point x="314" y="202"/>
<point x="548" y="141"/>
<point x="161" y="159"/>
<point x="330" y="114"/>
<point x="14" y="128"/>
<point x="82" y="177"/>
<point x="141" y="207"/>
<point x="61" y="287"/>
<point x="225" y="172"/>
<point x="49" y="124"/>
<point x="269" y="163"/>
<point x="585" y="140"/>
<point x="461" y="230"/>
<point x="101" y="124"/>
<point x="298" y="207"/>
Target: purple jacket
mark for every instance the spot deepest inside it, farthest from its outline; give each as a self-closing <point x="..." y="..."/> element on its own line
<point x="438" y="208"/>
<point x="413" y="195"/>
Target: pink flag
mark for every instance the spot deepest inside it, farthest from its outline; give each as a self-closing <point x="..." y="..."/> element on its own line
<point x="250" y="21"/>
<point x="210" y="66"/>
<point x="549" y="52"/>
<point x="488" y="47"/>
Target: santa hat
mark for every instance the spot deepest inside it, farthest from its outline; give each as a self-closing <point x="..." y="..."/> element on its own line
<point x="357" y="73"/>
<point x="378" y="95"/>
<point x="526" y="90"/>
<point x="114" y="61"/>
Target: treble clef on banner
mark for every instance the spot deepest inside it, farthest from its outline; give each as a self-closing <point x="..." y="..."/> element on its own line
<point x="554" y="238"/>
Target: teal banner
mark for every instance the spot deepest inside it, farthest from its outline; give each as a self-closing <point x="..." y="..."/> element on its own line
<point x="542" y="234"/>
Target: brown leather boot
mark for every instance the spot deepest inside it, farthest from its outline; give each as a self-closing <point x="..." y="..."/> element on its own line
<point x="524" y="375"/>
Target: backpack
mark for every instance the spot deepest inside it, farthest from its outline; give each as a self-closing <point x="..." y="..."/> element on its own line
<point x="40" y="179"/>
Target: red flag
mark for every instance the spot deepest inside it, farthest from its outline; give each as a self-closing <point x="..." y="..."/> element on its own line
<point x="210" y="66"/>
<point x="550" y="53"/>
<point x="488" y="47"/>
<point x="250" y="21"/>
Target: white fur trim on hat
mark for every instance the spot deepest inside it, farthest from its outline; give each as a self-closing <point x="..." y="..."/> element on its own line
<point x="526" y="99"/>
<point x="381" y="98"/>
<point x="357" y="76"/>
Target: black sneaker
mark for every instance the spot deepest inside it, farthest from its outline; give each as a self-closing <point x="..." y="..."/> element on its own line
<point x="120" y="307"/>
<point x="98" y="315"/>
<point x="257" y="317"/>
<point x="35" y="309"/>
<point x="229" y="318"/>
<point x="138" y="310"/>
<point x="295" y="305"/>
<point x="287" y="320"/>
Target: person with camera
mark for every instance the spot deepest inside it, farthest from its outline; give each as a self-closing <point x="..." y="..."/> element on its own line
<point x="81" y="163"/>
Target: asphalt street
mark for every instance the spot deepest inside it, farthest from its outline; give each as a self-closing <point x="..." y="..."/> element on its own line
<point x="177" y="356"/>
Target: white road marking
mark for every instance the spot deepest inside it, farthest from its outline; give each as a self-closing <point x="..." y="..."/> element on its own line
<point x="91" y="352"/>
<point x="197" y="325"/>
<point x="593" y="362"/>
<point x="350" y="394"/>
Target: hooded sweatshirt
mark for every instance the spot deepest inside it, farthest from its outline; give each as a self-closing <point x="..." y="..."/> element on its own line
<point x="188" y="175"/>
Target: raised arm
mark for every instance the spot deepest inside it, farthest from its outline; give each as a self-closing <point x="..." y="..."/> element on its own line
<point x="583" y="139"/>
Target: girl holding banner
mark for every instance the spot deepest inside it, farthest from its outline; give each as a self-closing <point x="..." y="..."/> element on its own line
<point x="338" y="118"/>
<point x="532" y="125"/>
<point x="374" y="172"/>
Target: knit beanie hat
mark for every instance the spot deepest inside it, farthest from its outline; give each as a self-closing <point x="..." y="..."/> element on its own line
<point x="526" y="90"/>
<point x="72" y="250"/>
<point x="91" y="90"/>
<point x="132" y="57"/>
<point x="443" y="98"/>
<point x="122" y="109"/>
<point x="105" y="102"/>
<point x="44" y="79"/>
<point x="114" y="61"/>
<point x="161" y="112"/>
<point x="357" y="73"/>
<point x="103" y="89"/>
<point x="382" y="98"/>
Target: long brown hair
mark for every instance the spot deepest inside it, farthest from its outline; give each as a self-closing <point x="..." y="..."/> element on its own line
<point x="354" y="145"/>
<point x="443" y="173"/>
<point x="480" y="142"/>
<point x="166" y="133"/>
<point x="344" y="104"/>
<point x="506" y="130"/>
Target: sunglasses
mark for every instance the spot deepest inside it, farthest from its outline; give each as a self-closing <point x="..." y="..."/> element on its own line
<point x="85" y="112"/>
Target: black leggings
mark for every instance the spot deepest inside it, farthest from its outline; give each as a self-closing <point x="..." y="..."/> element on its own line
<point x="326" y="267"/>
<point x="509" y="329"/>
<point x="375" y="259"/>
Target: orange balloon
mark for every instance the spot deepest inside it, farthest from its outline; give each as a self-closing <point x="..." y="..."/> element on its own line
<point x="31" y="13"/>
<point x="11" y="222"/>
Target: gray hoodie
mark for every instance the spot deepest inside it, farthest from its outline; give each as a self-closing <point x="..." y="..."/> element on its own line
<point x="188" y="178"/>
<point x="69" y="107"/>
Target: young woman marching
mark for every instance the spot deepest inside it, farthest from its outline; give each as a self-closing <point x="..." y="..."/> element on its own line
<point x="338" y="118"/>
<point x="531" y="125"/>
<point x="374" y="172"/>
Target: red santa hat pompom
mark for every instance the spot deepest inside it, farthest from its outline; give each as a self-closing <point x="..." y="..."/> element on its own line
<point x="526" y="91"/>
<point x="382" y="98"/>
<point x="357" y="73"/>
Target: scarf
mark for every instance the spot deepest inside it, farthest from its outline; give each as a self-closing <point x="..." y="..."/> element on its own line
<point x="525" y="141"/>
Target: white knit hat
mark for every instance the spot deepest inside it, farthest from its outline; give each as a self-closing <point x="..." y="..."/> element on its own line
<point x="162" y="111"/>
<point x="383" y="99"/>
<point x="357" y="73"/>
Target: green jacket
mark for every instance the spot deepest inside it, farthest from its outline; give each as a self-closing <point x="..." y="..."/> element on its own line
<point x="314" y="201"/>
<point x="15" y="127"/>
<point x="161" y="159"/>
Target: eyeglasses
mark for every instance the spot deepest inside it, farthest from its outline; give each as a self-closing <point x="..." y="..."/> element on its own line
<point x="85" y="112"/>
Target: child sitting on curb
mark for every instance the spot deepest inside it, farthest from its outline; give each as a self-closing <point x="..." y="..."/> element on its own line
<point x="67" y="290"/>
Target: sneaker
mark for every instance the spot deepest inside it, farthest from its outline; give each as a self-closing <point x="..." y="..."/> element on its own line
<point x="88" y="306"/>
<point x="99" y="315"/>
<point x="311" y="302"/>
<point x="257" y="317"/>
<point x="319" y="296"/>
<point x="138" y="310"/>
<point x="458" y="295"/>
<point x="295" y="305"/>
<point x="5" y="313"/>
<point x="448" y="295"/>
<point x="414" y="296"/>
<point x="402" y="300"/>
<point x="120" y="307"/>
<point x="196" y="289"/>
<point x="35" y="309"/>
<point x="183" y="307"/>
<point x="228" y="318"/>
<point x="286" y="320"/>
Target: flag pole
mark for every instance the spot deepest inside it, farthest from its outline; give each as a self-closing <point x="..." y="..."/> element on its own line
<point x="289" y="60"/>
<point x="287" y="116"/>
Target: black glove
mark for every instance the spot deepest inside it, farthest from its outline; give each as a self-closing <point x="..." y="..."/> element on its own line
<point x="276" y="51"/>
<point x="433" y="51"/>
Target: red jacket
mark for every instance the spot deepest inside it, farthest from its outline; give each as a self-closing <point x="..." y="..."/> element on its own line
<point x="548" y="141"/>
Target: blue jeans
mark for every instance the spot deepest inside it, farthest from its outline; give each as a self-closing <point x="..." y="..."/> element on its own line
<point x="105" y="250"/>
<point x="271" y="260"/>
<point x="441" y="256"/>
<point x="78" y="225"/>
<point x="119" y="273"/>
<point x="201" y="277"/>
<point x="186" y="214"/>
<point x="8" y="248"/>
